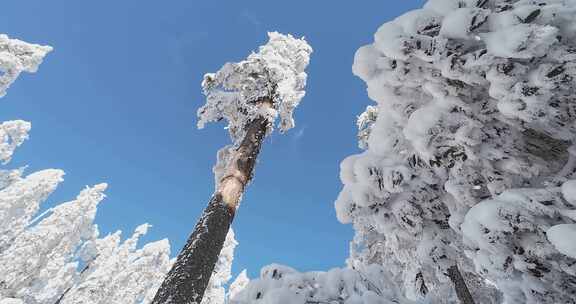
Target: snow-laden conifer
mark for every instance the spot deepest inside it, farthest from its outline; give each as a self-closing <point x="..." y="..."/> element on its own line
<point x="116" y="272"/>
<point x="473" y="98"/>
<point x="251" y="95"/>
<point x="52" y="257"/>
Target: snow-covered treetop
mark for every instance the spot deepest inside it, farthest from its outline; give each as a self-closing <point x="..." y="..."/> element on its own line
<point x="21" y="200"/>
<point x="276" y="72"/>
<point x="17" y="56"/>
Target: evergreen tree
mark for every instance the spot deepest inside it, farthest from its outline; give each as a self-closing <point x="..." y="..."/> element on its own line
<point x="250" y="95"/>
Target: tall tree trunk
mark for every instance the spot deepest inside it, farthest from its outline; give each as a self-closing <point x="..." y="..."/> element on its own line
<point x="460" y="285"/>
<point x="188" y="278"/>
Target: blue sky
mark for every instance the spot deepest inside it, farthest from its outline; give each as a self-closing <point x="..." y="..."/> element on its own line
<point x="116" y="102"/>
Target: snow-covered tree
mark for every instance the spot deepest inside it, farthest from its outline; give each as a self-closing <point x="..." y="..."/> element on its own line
<point x="474" y="97"/>
<point x="21" y="200"/>
<point x="283" y="285"/>
<point x="523" y="240"/>
<point x="117" y="272"/>
<point x="38" y="255"/>
<point x="250" y="95"/>
<point x="16" y="57"/>
<point x="57" y="257"/>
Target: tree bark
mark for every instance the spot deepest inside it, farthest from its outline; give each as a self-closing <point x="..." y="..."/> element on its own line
<point x="460" y="285"/>
<point x="187" y="280"/>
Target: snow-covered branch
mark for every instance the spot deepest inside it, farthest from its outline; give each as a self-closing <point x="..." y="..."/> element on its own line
<point x="16" y="57"/>
<point x="57" y="257"/>
<point x="473" y="98"/>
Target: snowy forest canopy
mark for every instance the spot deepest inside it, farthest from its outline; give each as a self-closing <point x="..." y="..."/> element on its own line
<point x="467" y="165"/>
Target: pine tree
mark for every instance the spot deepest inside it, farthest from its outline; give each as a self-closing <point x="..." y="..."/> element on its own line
<point x="55" y="257"/>
<point x="473" y="98"/>
<point x="250" y="95"/>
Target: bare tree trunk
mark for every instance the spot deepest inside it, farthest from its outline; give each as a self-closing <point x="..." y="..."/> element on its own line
<point x="460" y="285"/>
<point x="188" y="278"/>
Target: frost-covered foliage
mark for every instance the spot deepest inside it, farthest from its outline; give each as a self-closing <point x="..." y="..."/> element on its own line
<point x="57" y="257"/>
<point x="12" y="134"/>
<point x="282" y="285"/>
<point x="216" y="292"/>
<point x="61" y="258"/>
<point x="474" y="97"/>
<point x="20" y="201"/>
<point x="275" y="72"/>
<point x="117" y="272"/>
<point x="16" y="57"/>
<point x="509" y="239"/>
<point x="38" y="255"/>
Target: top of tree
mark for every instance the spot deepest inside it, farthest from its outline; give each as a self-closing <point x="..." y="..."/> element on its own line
<point x="275" y="72"/>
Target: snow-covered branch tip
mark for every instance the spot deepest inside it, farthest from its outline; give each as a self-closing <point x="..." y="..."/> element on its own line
<point x="16" y="57"/>
<point x="276" y="72"/>
<point x="12" y="134"/>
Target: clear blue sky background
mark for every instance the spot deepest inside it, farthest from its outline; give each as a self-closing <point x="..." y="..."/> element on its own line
<point x="116" y="102"/>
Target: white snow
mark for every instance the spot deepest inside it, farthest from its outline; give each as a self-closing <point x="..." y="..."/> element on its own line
<point x="12" y="134"/>
<point x="521" y="41"/>
<point x="283" y="285"/>
<point x="238" y="284"/>
<point x="16" y="57"/>
<point x="569" y="191"/>
<point x="276" y="72"/>
<point x="563" y="237"/>
<point x="472" y="97"/>
<point x="21" y="200"/>
<point x="57" y="256"/>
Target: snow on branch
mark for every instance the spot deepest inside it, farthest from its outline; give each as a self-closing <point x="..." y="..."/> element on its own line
<point x="20" y="201"/>
<point x="283" y="285"/>
<point x="523" y="241"/>
<point x="275" y="72"/>
<point x="473" y="98"/>
<point x="57" y="257"/>
<point x="16" y="57"/>
<point x="12" y="134"/>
